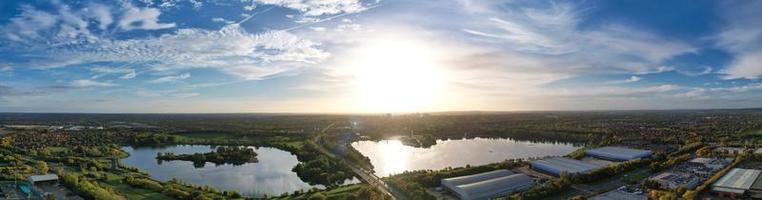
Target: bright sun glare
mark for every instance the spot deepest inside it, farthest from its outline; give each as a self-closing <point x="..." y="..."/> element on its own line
<point x="396" y="75"/>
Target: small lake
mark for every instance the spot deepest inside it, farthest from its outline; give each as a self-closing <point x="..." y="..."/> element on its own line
<point x="271" y="175"/>
<point x="392" y="157"/>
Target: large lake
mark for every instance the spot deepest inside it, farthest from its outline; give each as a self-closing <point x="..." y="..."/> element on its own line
<point x="271" y="175"/>
<point x="392" y="157"/>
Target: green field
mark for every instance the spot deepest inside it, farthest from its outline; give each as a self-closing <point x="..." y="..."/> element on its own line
<point x="115" y="182"/>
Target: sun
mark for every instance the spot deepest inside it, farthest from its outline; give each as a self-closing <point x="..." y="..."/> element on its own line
<point x="393" y="74"/>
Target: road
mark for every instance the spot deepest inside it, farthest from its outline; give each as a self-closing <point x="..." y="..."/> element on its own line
<point x="366" y="175"/>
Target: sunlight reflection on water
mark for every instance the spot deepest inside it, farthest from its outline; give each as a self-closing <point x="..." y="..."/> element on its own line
<point x="392" y="157"/>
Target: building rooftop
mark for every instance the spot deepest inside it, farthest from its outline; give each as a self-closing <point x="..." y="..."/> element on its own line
<point x="701" y="160"/>
<point x="561" y="164"/>
<point x="737" y="179"/>
<point x="618" y="153"/>
<point x="757" y="184"/>
<point x="496" y="186"/>
<point x="460" y="180"/>
<point x="488" y="184"/>
<point x="46" y="177"/>
<point x="618" y="195"/>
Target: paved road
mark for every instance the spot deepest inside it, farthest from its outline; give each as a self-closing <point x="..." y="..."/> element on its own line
<point x="366" y="175"/>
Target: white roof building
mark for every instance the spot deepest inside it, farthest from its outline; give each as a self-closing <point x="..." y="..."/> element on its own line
<point x="460" y="180"/>
<point x="557" y="165"/>
<point x="42" y="178"/>
<point x="737" y="181"/>
<point x="618" y="153"/>
<point x="487" y="185"/>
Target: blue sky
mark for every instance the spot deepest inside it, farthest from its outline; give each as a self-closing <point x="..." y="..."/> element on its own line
<point x="378" y="55"/>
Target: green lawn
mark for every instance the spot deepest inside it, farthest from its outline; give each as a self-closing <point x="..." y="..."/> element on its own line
<point x="335" y="193"/>
<point x="114" y="181"/>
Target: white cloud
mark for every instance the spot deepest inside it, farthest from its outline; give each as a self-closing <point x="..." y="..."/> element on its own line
<point x="318" y="29"/>
<point x="28" y="24"/>
<point x="742" y="36"/>
<point x="66" y="25"/>
<point x="127" y="73"/>
<point x="230" y="49"/>
<point x="222" y="20"/>
<point x="86" y="83"/>
<point x="552" y="35"/>
<point x="187" y="95"/>
<point x="318" y="7"/>
<point x="747" y="65"/>
<point x="632" y="79"/>
<point x="101" y="13"/>
<point x="169" y="79"/>
<point x="142" y="18"/>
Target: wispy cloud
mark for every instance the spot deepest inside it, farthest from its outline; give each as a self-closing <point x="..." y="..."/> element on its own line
<point x="87" y="83"/>
<point x="551" y="31"/>
<point x="742" y="36"/>
<point x="145" y="18"/>
<point x="632" y="79"/>
<point x="126" y="73"/>
<point x="318" y="7"/>
<point x="169" y="79"/>
<point x="187" y="95"/>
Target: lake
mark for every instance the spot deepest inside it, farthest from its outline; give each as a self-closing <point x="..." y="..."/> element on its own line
<point x="392" y="157"/>
<point x="271" y="175"/>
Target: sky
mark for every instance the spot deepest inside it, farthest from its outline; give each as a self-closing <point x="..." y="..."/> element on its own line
<point x="377" y="56"/>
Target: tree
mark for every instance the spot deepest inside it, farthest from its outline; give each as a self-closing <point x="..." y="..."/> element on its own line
<point x="318" y="196"/>
<point x="42" y="167"/>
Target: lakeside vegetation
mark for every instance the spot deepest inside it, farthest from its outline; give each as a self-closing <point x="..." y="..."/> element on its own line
<point x="319" y="168"/>
<point x="236" y="155"/>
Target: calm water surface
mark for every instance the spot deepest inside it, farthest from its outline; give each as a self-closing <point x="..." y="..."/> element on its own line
<point x="392" y="157"/>
<point x="271" y="175"/>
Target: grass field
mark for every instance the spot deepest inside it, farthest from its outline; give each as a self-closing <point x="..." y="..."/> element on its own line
<point x="114" y="181"/>
<point x="336" y="193"/>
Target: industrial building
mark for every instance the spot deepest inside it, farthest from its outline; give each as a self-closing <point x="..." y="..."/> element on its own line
<point x="462" y="180"/>
<point x="487" y="185"/>
<point x="755" y="191"/>
<point x="557" y="165"/>
<point x="42" y="178"/>
<point x="668" y="180"/>
<point x="618" y="153"/>
<point x="712" y="163"/>
<point x="619" y="195"/>
<point x="736" y="182"/>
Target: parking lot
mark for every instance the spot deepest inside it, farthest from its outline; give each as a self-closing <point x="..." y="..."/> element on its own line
<point x="10" y="191"/>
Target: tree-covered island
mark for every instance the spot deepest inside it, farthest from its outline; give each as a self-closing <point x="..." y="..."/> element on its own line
<point x="236" y="155"/>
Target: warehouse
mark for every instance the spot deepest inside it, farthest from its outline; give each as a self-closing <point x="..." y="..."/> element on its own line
<point x="47" y="178"/>
<point x="668" y="180"/>
<point x="462" y="180"/>
<point x="556" y="165"/>
<point x="756" y="189"/>
<point x="487" y="185"/>
<point x="736" y="182"/>
<point x="618" y="153"/>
